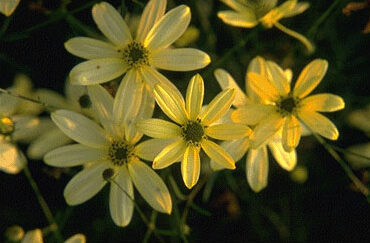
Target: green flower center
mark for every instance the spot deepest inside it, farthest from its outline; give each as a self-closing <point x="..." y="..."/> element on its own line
<point x="193" y="132"/>
<point x="135" y="55"/>
<point x="119" y="152"/>
<point x="84" y="101"/>
<point x="287" y="105"/>
<point x="6" y="125"/>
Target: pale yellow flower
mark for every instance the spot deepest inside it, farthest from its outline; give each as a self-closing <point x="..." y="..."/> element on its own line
<point x="35" y="236"/>
<point x="111" y="152"/>
<point x="7" y="7"/>
<point x="248" y="13"/>
<point x="193" y="129"/>
<point x="257" y="159"/>
<point x="142" y="55"/>
<point x="286" y="108"/>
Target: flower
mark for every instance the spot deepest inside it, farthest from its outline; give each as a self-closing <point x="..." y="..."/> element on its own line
<point x="110" y="153"/>
<point x="193" y="129"/>
<point x="35" y="236"/>
<point x="248" y="13"/>
<point x="18" y="123"/>
<point x="286" y="108"/>
<point x="257" y="166"/>
<point x="141" y="56"/>
<point x="7" y="7"/>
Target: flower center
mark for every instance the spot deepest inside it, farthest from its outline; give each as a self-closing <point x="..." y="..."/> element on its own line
<point x="84" y="101"/>
<point x="119" y="152"/>
<point x="135" y="55"/>
<point x="287" y="105"/>
<point x="193" y="132"/>
<point x="6" y="125"/>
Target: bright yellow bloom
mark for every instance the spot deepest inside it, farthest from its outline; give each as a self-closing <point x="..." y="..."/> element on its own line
<point x="285" y="108"/>
<point x="7" y="7"/>
<point x="193" y="129"/>
<point x="257" y="165"/>
<point x="247" y="14"/>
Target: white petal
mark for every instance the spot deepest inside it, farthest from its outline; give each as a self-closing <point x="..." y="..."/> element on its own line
<point x="97" y="71"/>
<point x="89" y="48"/>
<point x="72" y="155"/>
<point x="180" y="59"/>
<point x="121" y="198"/>
<point x="149" y="149"/>
<point x="111" y="23"/>
<point x="80" y="128"/>
<point x="257" y="168"/>
<point x="150" y="186"/>
<point x="12" y="160"/>
<point x="169" y="28"/>
<point x="86" y="184"/>
<point x="153" y="11"/>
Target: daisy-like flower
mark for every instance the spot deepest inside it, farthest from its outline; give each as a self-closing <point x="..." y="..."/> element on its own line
<point x="257" y="159"/>
<point x="110" y="153"/>
<point x="193" y="129"/>
<point x="7" y="7"/>
<point x="248" y="13"/>
<point x="18" y="123"/>
<point x="122" y="53"/>
<point x="286" y="108"/>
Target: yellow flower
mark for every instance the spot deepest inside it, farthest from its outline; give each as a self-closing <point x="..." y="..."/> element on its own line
<point x="35" y="236"/>
<point x="247" y="14"/>
<point x="193" y="129"/>
<point x="142" y="55"/>
<point x="257" y="166"/>
<point x="7" y="7"/>
<point x="285" y="108"/>
<point x="110" y="151"/>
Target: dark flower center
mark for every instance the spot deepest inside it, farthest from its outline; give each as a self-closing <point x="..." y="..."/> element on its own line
<point x="119" y="152"/>
<point x="287" y="105"/>
<point x="135" y="54"/>
<point x="193" y="132"/>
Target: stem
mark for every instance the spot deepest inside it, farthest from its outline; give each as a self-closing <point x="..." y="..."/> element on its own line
<point x="151" y="228"/>
<point x="361" y="187"/>
<point x="309" y="46"/>
<point x="44" y="206"/>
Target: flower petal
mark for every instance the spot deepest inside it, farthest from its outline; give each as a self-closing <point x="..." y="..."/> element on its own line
<point x="291" y="133"/>
<point x="111" y="24"/>
<point x="150" y="186"/>
<point x="33" y="236"/>
<point x="158" y="128"/>
<point x="153" y="11"/>
<point x="190" y="166"/>
<point x="169" y="28"/>
<point x="97" y="71"/>
<point x="245" y="19"/>
<point x="149" y="149"/>
<point x="180" y="59"/>
<point x="263" y="87"/>
<point x="228" y="131"/>
<point x="89" y="48"/>
<point x="278" y="78"/>
<point x="236" y="5"/>
<point x="226" y="81"/>
<point x="170" y="154"/>
<point x="310" y="77"/>
<point x="77" y="238"/>
<point x="218" y="106"/>
<point x="266" y="129"/>
<point x="8" y="7"/>
<point x="257" y="65"/>
<point x="73" y="155"/>
<point x="194" y="96"/>
<point x="252" y="114"/>
<point x="322" y="102"/>
<point x="319" y="124"/>
<point x="298" y="9"/>
<point x="12" y="160"/>
<point x="121" y="198"/>
<point x="218" y="154"/>
<point x="257" y="168"/>
<point x="80" y="128"/>
<point x="85" y="184"/>
<point x="170" y="104"/>
<point x="286" y="160"/>
<point x="27" y="128"/>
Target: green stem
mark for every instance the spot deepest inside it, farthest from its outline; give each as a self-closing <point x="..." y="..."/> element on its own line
<point x="309" y="46"/>
<point x="151" y="228"/>
<point x="44" y="206"/>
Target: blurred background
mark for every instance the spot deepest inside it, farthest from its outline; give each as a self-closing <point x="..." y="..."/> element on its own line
<point x="315" y="203"/>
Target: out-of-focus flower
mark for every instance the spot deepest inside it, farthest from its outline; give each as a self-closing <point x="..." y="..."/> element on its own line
<point x="139" y="56"/>
<point x="193" y="129"/>
<point x="35" y="236"/>
<point x="286" y="108"/>
<point x="356" y="6"/>
<point x="299" y="174"/>
<point x="257" y="159"/>
<point x="110" y="152"/>
<point x="248" y="13"/>
<point x="7" y="7"/>
<point x="190" y="36"/>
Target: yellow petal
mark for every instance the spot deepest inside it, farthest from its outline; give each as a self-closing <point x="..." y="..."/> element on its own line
<point x="252" y="114"/>
<point x="291" y="133"/>
<point x="158" y="128"/>
<point x="190" y="166"/>
<point x="257" y="168"/>
<point x="194" y="96"/>
<point x="278" y="78"/>
<point x="319" y="124"/>
<point x="239" y="19"/>
<point x="218" y="154"/>
<point x="228" y="131"/>
<point x="263" y="87"/>
<point x="323" y="102"/>
<point x="266" y="129"/>
<point x="170" y="154"/>
<point x="286" y="160"/>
